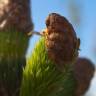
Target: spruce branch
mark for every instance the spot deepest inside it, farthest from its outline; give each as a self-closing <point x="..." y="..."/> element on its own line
<point x="42" y="78"/>
<point x="48" y="73"/>
<point x="13" y="44"/>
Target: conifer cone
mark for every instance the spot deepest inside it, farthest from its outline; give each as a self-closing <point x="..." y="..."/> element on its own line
<point x="83" y="72"/>
<point x="15" y="13"/>
<point x="61" y="40"/>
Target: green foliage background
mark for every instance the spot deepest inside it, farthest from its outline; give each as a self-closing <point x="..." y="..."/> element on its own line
<point x="13" y="46"/>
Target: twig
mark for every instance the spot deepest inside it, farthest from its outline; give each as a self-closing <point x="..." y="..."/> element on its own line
<point x="34" y="33"/>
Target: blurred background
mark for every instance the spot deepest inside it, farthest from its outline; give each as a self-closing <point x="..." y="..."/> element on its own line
<point x="82" y="15"/>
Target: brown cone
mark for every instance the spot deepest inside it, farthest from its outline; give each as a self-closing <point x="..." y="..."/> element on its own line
<point x="83" y="71"/>
<point x="61" y="40"/>
<point x="15" y="13"/>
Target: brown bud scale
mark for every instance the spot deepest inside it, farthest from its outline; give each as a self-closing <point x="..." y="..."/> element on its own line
<point x="61" y="40"/>
<point x="83" y="72"/>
